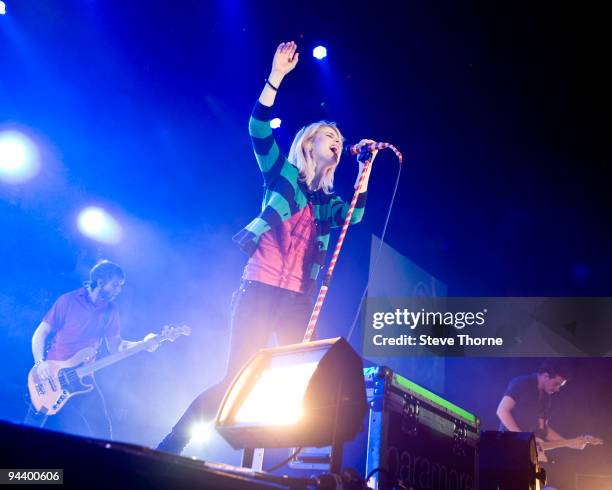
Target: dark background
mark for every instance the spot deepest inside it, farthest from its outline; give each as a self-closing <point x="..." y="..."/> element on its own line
<point x="141" y="107"/>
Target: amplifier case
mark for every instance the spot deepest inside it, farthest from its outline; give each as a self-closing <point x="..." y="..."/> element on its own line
<point x="416" y="439"/>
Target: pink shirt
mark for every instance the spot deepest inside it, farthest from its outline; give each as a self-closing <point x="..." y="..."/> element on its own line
<point x="284" y="254"/>
<point x="77" y="323"/>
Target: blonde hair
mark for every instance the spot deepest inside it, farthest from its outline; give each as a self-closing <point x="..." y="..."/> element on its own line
<point x="299" y="155"/>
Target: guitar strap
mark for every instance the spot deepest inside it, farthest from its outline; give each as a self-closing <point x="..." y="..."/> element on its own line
<point x="104" y="319"/>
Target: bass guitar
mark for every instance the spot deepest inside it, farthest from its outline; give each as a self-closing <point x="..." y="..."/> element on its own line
<point x="67" y="378"/>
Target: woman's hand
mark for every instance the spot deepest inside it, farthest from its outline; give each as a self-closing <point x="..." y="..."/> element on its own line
<point x="285" y="60"/>
<point x="361" y="144"/>
<point x="364" y="184"/>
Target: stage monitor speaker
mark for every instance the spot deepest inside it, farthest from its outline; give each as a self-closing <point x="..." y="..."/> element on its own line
<point x="509" y="461"/>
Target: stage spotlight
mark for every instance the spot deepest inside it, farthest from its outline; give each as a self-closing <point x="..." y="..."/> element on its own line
<point x="19" y="159"/>
<point x="310" y="394"/>
<point x="275" y="123"/>
<point x="2" y="8"/>
<point x="319" y="52"/>
<point x="96" y="223"/>
<point x="201" y="432"/>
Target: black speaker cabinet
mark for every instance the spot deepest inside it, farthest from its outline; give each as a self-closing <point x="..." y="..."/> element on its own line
<point x="509" y="461"/>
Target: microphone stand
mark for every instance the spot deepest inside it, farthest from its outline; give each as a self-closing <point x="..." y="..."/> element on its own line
<point x="314" y="317"/>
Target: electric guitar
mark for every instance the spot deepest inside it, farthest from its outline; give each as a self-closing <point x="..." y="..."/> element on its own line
<point x="66" y="378"/>
<point x="543" y="446"/>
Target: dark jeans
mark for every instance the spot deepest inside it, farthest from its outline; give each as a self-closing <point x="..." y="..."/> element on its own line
<point x="83" y="415"/>
<point x="258" y="310"/>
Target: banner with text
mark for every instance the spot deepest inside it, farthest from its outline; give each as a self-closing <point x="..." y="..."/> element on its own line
<point x="492" y="327"/>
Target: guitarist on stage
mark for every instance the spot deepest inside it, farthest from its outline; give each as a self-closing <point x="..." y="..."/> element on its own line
<point x="77" y="320"/>
<point x="526" y="404"/>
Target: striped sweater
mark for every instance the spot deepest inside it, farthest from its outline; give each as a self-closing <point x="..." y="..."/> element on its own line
<point x="285" y="194"/>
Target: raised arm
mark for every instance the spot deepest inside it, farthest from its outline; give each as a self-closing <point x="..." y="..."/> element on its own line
<point x="285" y="59"/>
<point x="268" y="155"/>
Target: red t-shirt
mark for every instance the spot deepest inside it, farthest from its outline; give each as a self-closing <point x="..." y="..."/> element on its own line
<point x="77" y="323"/>
<point x="283" y="257"/>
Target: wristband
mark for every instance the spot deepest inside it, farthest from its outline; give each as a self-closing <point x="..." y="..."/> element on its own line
<point x="39" y="362"/>
<point x="271" y="86"/>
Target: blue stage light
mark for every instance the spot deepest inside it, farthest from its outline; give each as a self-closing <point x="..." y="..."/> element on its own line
<point x="275" y="123"/>
<point x="99" y="225"/>
<point x="2" y="8"/>
<point x="319" y="52"/>
<point x="19" y="159"/>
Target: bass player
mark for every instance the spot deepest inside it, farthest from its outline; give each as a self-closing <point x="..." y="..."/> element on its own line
<point x="81" y="319"/>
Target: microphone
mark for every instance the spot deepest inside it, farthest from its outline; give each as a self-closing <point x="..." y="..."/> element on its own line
<point x="363" y="149"/>
<point x="355" y="149"/>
